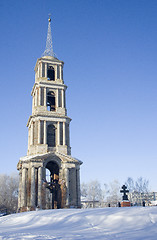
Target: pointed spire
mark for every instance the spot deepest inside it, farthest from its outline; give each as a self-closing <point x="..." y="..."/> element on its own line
<point x="49" y="48"/>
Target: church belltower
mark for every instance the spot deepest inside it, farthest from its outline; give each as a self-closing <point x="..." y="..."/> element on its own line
<point x="49" y="175"/>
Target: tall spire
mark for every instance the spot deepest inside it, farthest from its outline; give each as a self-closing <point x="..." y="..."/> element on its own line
<point x="49" y="48"/>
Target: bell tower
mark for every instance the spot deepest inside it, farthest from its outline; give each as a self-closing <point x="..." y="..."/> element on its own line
<point x="49" y="175"/>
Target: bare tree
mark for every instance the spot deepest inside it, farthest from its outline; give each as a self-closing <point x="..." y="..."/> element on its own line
<point x="95" y="192"/>
<point x="142" y="185"/>
<point x="84" y="189"/>
<point x="9" y="192"/>
<point x="92" y="191"/>
<point x="130" y="184"/>
<point x="138" y="190"/>
<point x="113" y="193"/>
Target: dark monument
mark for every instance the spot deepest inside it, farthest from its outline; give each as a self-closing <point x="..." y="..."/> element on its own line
<point x="125" y="202"/>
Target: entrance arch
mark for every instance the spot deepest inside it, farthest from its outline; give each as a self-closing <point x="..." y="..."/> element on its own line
<point x="53" y="184"/>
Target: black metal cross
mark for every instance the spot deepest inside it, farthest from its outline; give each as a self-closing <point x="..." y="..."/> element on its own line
<point x="124" y="191"/>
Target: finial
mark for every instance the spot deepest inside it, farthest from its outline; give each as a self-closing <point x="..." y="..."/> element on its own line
<point x="49" y="48"/>
<point x="49" y="17"/>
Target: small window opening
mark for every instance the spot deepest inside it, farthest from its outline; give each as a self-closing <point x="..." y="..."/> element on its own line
<point x="51" y="101"/>
<point x="50" y="73"/>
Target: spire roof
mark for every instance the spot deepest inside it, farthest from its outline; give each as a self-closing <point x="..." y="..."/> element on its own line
<point x="49" y="47"/>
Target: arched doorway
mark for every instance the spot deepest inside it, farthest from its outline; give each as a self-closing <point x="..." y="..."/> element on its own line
<point x="52" y="178"/>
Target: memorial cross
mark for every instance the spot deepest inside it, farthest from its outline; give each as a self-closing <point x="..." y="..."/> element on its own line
<point x="124" y="191"/>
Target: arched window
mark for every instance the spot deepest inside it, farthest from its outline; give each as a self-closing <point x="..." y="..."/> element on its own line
<point x="51" y="101"/>
<point x="51" y="135"/>
<point x="50" y="73"/>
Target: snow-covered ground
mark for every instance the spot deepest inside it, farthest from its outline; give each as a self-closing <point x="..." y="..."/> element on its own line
<point x="94" y="224"/>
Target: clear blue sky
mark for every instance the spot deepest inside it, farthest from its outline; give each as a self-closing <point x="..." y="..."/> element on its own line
<point x="110" y="52"/>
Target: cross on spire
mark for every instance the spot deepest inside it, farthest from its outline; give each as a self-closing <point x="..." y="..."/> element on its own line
<point x="49" y="47"/>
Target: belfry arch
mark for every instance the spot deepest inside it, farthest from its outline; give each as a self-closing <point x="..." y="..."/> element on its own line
<point x="51" y="73"/>
<point x="51" y="102"/>
<point x="51" y="135"/>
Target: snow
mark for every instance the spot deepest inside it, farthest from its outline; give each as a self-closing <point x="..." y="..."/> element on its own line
<point x="133" y="223"/>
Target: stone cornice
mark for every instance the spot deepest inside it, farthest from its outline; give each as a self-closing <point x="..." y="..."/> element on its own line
<point x="40" y="157"/>
<point x="48" y="59"/>
<point x="48" y="117"/>
<point x="48" y="85"/>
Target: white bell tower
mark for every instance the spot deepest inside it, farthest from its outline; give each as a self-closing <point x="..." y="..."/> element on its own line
<point x="49" y="150"/>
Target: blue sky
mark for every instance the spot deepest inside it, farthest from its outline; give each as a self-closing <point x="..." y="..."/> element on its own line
<point x="110" y="52"/>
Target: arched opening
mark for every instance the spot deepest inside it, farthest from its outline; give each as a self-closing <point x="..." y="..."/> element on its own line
<point x="51" y="101"/>
<point x="50" y="73"/>
<point x="53" y="170"/>
<point x="51" y="135"/>
<point x="53" y="196"/>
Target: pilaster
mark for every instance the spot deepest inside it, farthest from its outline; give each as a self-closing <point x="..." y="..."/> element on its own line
<point x="39" y="131"/>
<point x="45" y="133"/>
<point x="58" y="133"/>
<point x="64" y="136"/>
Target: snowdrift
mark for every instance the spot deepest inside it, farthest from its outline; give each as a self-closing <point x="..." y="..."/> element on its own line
<point x="134" y="223"/>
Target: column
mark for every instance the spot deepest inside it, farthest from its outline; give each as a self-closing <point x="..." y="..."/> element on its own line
<point x="31" y="140"/>
<point x="20" y="188"/>
<point x="55" y="68"/>
<point x="57" y="98"/>
<point x="78" y="193"/>
<point x="36" y="187"/>
<point x="43" y="188"/>
<point x="58" y="133"/>
<point x="40" y="187"/>
<point x="39" y="132"/>
<point x="29" y="133"/>
<point x="46" y="70"/>
<point x="62" y="98"/>
<point x="45" y="97"/>
<point x="67" y="185"/>
<point x="67" y="135"/>
<point x="45" y="133"/>
<point x="33" y="102"/>
<point x="38" y="72"/>
<point x="39" y="96"/>
<point x="32" y="187"/>
<point x="23" y="188"/>
<point x="64" y="136"/>
<point x="60" y="69"/>
<point x="36" y="97"/>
